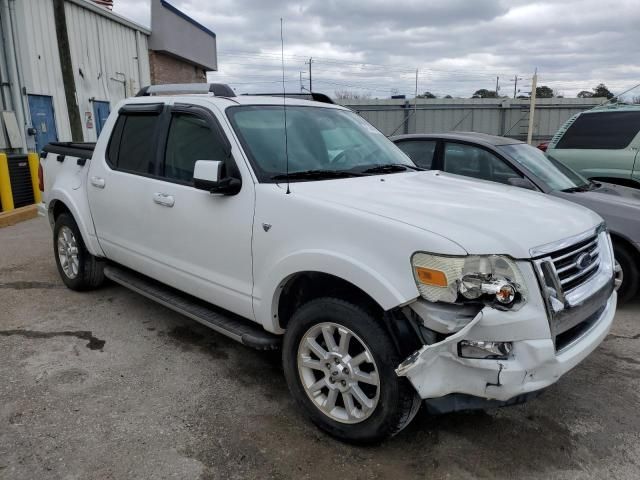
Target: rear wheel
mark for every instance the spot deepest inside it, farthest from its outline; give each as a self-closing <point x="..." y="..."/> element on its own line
<point x="78" y="269"/>
<point x="627" y="272"/>
<point x="340" y="367"/>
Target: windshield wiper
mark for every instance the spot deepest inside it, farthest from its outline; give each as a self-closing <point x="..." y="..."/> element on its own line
<point x="581" y="188"/>
<point x="316" y="175"/>
<point x="392" y="167"/>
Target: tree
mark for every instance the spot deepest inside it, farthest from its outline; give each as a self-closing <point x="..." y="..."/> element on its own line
<point x="349" y="95"/>
<point x="544" y="92"/>
<point x="427" y="95"/>
<point x="484" y="93"/>
<point x="447" y="96"/>
<point x="636" y="99"/>
<point x="585" y="94"/>
<point x="602" y="91"/>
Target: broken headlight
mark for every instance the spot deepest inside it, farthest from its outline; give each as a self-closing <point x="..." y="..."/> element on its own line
<point x="484" y="278"/>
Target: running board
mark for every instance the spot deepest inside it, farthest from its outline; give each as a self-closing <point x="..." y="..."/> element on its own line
<point x="226" y="323"/>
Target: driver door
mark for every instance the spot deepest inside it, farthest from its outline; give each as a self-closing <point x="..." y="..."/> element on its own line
<point x="476" y="162"/>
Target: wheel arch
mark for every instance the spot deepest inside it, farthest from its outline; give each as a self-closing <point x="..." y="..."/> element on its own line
<point x="322" y="273"/>
<point x="62" y="203"/>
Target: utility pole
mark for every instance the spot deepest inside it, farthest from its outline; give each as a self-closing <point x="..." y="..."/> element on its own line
<point x="415" y="106"/>
<point x="309" y="63"/>
<point x="532" y="106"/>
<point x="515" y="85"/>
<point x="301" y="86"/>
<point x="497" y="87"/>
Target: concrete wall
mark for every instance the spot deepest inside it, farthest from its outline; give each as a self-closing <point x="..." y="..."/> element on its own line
<point x="168" y="69"/>
<point x="179" y="35"/>
<point x="505" y="117"/>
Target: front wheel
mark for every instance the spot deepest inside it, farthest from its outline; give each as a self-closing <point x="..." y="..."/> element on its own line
<point x="340" y="367"/>
<point x="627" y="274"/>
<point x="78" y="269"/>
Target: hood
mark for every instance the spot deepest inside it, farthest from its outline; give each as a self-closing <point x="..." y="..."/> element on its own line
<point x="618" y="205"/>
<point x="482" y="217"/>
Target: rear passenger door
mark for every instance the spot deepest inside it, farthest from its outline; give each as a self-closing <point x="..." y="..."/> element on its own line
<point x="157" y="223"/>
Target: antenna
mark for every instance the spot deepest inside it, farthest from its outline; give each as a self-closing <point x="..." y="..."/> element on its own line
<point x="284" y="107"/>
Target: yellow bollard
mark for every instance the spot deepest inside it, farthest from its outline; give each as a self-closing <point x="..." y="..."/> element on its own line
<point x="34" y="163"/>
<point x="6" y="195"/>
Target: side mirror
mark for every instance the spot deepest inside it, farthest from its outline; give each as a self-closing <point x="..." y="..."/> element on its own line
<point x="522" y="183"/>
<point x="208" y="175"/>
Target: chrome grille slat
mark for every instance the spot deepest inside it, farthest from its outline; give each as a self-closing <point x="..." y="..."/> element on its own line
<point x="573" y="265"/>
<point x="574" y="252"/>
<point x="581" y="273"/>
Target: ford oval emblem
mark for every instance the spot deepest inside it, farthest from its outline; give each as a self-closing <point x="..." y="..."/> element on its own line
<point x="583" y="261"/>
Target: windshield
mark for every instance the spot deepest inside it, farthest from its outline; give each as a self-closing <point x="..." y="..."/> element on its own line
<point x="318" y="140"/>
<point x="556" y="175"/>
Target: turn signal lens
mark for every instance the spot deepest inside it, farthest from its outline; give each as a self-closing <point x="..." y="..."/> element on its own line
<point x="429" y="276"/>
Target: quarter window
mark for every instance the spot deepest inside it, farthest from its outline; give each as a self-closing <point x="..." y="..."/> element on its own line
<point x="603" y="130"/>
<point x="420" y="151"/>
<point x="190" y="139"/>
<point x="476" y="162"/>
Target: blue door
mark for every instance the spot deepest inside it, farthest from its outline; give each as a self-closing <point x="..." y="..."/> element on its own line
<point x="101" y="112"/>
<point x="43" y="120"/>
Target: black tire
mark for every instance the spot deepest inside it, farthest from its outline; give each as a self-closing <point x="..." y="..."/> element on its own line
<point x="90" y="269"/>
<point x="397" y="403"/>
<point x="630" y="269"/>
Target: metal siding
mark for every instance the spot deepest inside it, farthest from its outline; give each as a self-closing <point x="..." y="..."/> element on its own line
<point x="480" y="115"/>
<point x="39" y="57"/>
<point x="100" y="47"/>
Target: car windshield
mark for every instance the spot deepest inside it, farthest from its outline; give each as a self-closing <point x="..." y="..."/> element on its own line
<point x="556" y="175"/>
<point x="322" y="143"/>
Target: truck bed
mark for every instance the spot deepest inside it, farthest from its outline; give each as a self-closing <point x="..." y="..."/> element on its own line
<point x="82" y="150"/>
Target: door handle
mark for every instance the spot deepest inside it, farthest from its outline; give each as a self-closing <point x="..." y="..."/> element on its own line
<point x="164" y="199"/>
<point x="97" y="182"/>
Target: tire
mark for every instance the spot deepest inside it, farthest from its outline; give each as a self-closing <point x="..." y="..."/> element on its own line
<point x="392" y="404"/>
<point x="78" y="269"/>
<point x="630" y="274"/>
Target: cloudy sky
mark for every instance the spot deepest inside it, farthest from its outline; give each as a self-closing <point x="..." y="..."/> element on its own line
<point x="457" y="46"/>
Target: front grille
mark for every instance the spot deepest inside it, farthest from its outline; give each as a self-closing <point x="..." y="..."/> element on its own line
<point x="576" y="264"/>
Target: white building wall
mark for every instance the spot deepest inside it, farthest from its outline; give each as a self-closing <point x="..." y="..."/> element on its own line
<point x="101" y="44"/>
<point x="104" y="54"/>
<point x="39" y="59"/>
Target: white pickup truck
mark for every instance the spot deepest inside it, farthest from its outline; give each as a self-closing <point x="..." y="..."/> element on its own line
<point x="386" y="287"/>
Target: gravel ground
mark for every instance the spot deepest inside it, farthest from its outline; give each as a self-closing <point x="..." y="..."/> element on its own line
<point x="108" y="384"/>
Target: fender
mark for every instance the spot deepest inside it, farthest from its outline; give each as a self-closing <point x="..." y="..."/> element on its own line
<point x="374" y="283"/>
<point x="79" y="209"/>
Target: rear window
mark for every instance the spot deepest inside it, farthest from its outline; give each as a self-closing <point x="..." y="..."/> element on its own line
<point x="605" y="130"/>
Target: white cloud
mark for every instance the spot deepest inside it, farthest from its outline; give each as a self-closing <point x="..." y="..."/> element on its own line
<point x="457" y="45"/>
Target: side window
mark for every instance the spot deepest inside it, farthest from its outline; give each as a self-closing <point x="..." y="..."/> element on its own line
<point x="137" y="147"/>
<point x="476" y="162"/>
<point x="603" y="130"/>
<point x="420" y="151"/>
<point x="189" y="139"/>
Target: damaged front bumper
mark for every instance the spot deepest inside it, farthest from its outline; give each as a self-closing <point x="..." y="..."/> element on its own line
<point x="437" y="371"/>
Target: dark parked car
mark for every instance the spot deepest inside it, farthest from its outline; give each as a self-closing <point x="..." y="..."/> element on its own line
<point x="515" y="163"/>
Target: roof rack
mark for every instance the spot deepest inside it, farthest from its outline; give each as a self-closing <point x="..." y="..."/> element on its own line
<point x="217" y="89"/>
<point x="316" y="97"/>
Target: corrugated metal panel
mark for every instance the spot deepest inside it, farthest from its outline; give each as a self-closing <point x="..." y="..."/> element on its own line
<point x="494" y="116"/>
<point x="104" y="55"/>
<point x="100" y="46"/>
<point x="39" y="58"/>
